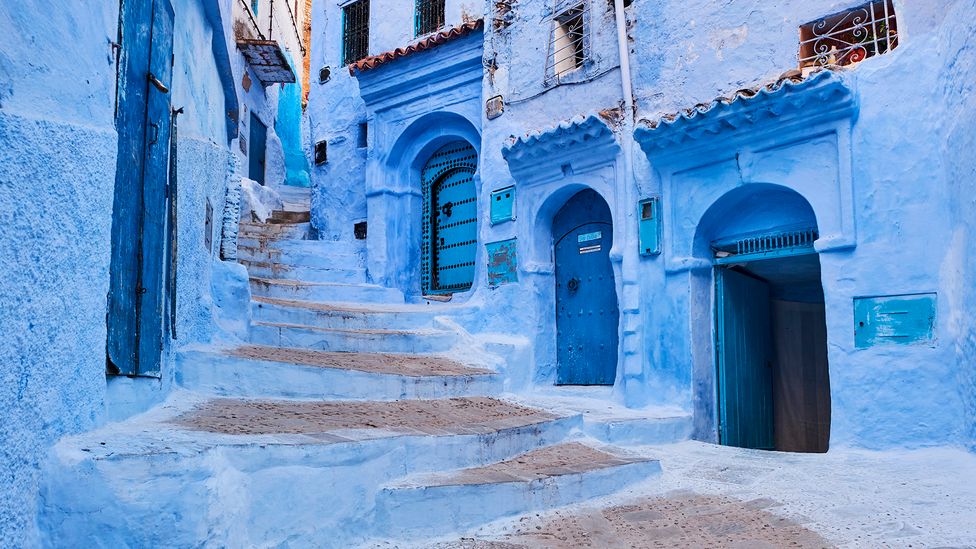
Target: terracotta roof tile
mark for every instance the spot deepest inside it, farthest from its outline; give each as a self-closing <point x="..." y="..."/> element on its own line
<point x="425" y="43"/>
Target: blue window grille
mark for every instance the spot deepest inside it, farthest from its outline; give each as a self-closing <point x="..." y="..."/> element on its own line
<point x="355" y="31"/>
<point x="778" y="243"/>
<point x="429" y="15"/>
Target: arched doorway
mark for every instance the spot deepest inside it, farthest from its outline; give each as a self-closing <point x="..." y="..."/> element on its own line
<point x="772" y="374"/>
<point x="586" y="298"/>
<point x="450" y="219"/>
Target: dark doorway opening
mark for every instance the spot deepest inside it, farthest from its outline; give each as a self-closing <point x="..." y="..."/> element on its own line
<point x="259" y="141"/>
<point x="586" y="296"/>
<point x="773" y="378"/>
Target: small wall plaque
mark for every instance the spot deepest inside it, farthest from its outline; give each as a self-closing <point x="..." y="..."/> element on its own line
<point x="502" y="205"/>
<point x="502" y="262"/>
<point x="494" y="107"/>
<point x="894" y="319"/>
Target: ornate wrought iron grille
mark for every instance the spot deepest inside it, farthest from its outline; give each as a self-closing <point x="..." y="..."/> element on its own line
<point x="782" y="243"/>
<point x="850" y="36"/>
<point x="355" y="31"/>
<point x="568" y="40"/>
<point x="428" y="16"/>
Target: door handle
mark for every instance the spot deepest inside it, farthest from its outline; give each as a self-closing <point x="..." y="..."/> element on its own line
<point x="156" y="82"/>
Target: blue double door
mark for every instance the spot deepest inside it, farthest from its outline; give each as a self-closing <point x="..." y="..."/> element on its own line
<point x="586" y="298"/>
<point x="136" y="287"/>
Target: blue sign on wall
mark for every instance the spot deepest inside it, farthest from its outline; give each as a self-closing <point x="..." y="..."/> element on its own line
<point x="894" y="319"/>
<point x="502" y="262"/>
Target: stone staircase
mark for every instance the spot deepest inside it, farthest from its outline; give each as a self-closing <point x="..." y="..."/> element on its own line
<point x="350" y="417"/>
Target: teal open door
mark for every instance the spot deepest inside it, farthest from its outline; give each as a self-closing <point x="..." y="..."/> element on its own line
<point x="744" y="356"/>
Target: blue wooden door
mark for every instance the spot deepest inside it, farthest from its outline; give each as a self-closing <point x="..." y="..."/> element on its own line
<point x="450" y="229"/>
<point x="586" y="297"/>
<point x="135" y="303"/>
<point x="744" y="353"/>
<point x="259" y="141"/>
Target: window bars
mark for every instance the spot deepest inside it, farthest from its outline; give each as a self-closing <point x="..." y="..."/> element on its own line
<point x="355" y="31"/>
<point x="850" y="36"/>
<point x="781" y="243"/>
<point x="429" y="16"/>
<point x="568" y="40"/>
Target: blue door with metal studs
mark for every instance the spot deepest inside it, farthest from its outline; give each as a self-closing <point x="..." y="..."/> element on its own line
<point x="744" y="353"/>
<point x="586" y="297"/>
<point x="450" y="219"/>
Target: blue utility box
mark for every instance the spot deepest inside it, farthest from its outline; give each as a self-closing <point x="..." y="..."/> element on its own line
<point x="649" y="223"/>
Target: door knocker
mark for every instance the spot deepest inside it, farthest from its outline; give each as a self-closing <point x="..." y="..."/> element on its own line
<point x="446" y="209"/>
<point x="573" y="284"/>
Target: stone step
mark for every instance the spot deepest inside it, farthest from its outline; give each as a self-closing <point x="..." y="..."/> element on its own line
<point x="276" y="372"/>
<point x="300" y="336"/>
<point x="434" y="504"/>
<point x="324" y="291"/>
<point x="290" y="216"/>
<point x="613" y="423"/>
<point x="348" y="315"/>
<point x="253" y="233"/>
<point x="197" y="472"/>
<point x="277" y="270"/>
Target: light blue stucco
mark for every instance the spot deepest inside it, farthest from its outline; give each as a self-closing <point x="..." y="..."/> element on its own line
<point x="57" y="174"/>
<point x="877" y="157"/>
<point x="849" y="153"/>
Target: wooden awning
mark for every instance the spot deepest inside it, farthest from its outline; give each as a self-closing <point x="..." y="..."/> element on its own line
<point x="267" y="61"/>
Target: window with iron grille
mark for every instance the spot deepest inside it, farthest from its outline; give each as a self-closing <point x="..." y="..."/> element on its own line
<point x="568" y="43"/>
<point x="850" y="36"/>
<point x="355" y="31"/>
<point x="428" y="16"/>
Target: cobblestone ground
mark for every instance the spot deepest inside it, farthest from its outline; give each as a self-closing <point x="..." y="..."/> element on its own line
<point x="678" y="521"/>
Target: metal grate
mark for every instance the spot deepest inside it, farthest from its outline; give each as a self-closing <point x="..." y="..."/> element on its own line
<point x="784" y="243"/>
<point x="850" y="36"/>
<point x="450" y="219"/>
<point x="355" y="31"/>
<point x="428" y="16"/>
<point x="568" y="40"/>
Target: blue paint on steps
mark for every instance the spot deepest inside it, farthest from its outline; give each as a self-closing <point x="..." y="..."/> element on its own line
<point x="146" y="482"/>
<point x="339" y="275"/>
<point x="221" y="373"/>
<point x="324" y="291"/>
<point x="359" y="341"/>
<point x="463" y="500"/>
<point x="349" y="315"/>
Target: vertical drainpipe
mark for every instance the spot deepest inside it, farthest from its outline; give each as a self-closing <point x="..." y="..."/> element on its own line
<point x="632" y="343"/>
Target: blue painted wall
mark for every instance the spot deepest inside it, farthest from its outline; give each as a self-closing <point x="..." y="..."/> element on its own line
<point x="882" y="195"/>
<point x="57" y="177"/>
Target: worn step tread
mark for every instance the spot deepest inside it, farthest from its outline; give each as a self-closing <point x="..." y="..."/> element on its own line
<point x="355" y="331"/>
<point x="567" y="458"/>
<point x="351" y="307"/>
<point x="306" y="283"/>
<point x="381" y="363"/>
<point x="351" y="420"/>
